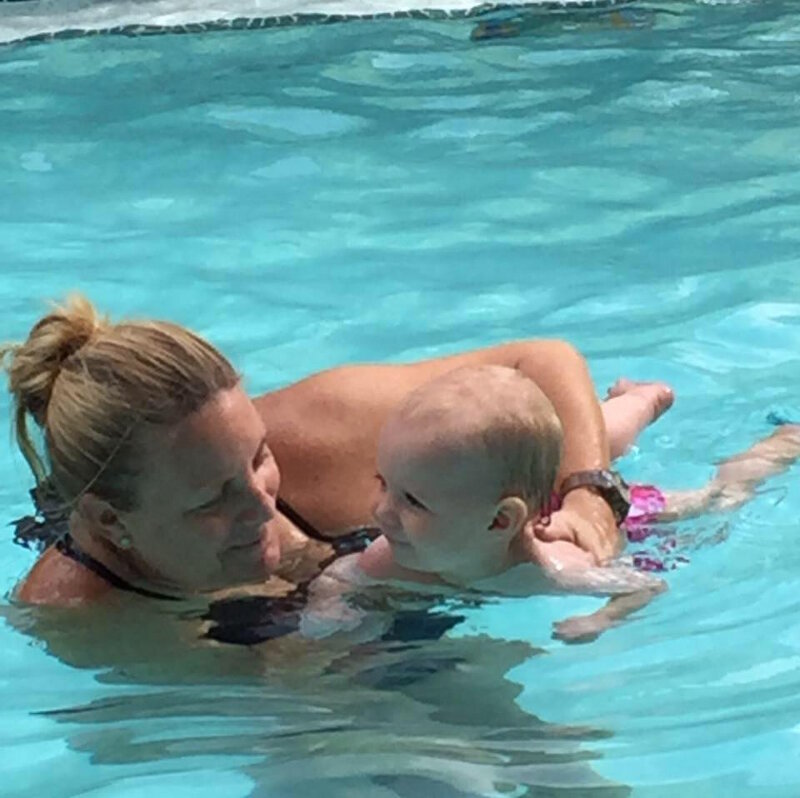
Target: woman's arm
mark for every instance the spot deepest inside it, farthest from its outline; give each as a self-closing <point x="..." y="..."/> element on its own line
<point x="561" y="372"/>
<point x="324" y="432"/>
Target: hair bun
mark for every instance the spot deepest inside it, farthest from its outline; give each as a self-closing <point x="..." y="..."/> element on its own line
<point x="35" y="364"/>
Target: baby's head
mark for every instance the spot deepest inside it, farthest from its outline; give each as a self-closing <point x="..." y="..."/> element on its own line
<point x="465" y="462"/>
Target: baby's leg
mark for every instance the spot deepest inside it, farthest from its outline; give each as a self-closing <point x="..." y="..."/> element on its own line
<point x="737" y="477"/>
<point x="629" y="408"/>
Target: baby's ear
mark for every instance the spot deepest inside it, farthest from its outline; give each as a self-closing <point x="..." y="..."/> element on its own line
<point x="510" y="515"/>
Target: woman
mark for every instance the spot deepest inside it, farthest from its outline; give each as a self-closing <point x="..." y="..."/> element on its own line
<point x="171" y="475"/>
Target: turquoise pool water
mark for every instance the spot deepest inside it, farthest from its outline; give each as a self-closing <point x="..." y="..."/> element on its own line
<point x="388" y="190"/>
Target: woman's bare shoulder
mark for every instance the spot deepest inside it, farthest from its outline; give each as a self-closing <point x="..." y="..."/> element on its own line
<point x="57" y="581"/>
<point x="342" y="379"/>
<point x="337" y="396"/>
<point x="349" y="383"/>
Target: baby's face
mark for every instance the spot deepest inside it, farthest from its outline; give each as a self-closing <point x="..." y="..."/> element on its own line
<point x="435" y="509"/>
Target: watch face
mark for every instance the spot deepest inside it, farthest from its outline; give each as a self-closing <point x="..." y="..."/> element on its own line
<point x="620" y="484"/>
<point x="615" y="491"/>
<point x="606" y="479"/>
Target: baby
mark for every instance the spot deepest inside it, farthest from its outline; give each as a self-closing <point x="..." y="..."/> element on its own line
<point x="467" y="470"/>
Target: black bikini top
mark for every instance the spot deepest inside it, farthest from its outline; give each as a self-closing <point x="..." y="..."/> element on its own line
<point x="50" y="527"/>
<point x="351" y="542"/>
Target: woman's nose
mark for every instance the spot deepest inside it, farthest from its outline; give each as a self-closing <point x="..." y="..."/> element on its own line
<point x="259" y="507"/>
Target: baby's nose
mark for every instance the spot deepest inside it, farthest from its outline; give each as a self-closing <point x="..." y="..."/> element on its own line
<point x="383" y="513"/>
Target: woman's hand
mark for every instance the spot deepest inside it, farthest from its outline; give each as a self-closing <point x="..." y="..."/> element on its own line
<point x="586" y="520"/>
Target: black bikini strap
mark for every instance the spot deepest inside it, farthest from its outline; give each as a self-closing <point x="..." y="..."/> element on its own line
<point x="67" y="547"/>
<point x="304" y="526"/>
<point x="354" y="540"/>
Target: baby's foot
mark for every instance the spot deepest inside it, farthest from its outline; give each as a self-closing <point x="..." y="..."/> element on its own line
<point x="658" y="395"/>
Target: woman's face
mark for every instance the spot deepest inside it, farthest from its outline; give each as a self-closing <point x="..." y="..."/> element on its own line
<point x="206" y="499"/>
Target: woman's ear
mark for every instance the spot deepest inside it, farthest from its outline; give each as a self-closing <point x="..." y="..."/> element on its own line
<point x="103" y="521"/>
<point x="510" y="515"/>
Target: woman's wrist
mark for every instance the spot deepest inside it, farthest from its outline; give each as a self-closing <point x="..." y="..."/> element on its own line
<point x="604" y="483"/>
<point x="587" y="497"/>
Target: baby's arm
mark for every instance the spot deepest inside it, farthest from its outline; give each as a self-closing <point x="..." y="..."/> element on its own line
<point x="585" y="628"/>
<point x="570" y="569"/>
<point x="328" y="611"/>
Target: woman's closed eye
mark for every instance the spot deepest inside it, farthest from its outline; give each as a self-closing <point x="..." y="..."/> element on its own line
<point x="209" y="505"/>
<point x="217" y="501"/>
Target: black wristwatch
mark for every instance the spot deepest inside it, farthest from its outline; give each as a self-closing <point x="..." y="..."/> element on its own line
<point x="607" y="484"/>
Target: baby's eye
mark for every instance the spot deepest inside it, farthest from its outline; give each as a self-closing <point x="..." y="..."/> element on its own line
<point x="381" y="481"/>
<point x="414" y="502"/>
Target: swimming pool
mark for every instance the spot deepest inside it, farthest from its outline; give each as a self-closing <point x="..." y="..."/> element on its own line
<point x="387" y="190"/>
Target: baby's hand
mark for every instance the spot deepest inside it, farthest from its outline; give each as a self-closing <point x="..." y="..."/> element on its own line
<point x="585" y="628"/>
<point x="579" y="629"/>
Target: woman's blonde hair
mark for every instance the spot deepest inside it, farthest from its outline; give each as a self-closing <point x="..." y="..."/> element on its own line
<point x="89" y="385"/>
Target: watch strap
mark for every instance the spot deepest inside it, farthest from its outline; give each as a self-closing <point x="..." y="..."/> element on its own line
<point x="609" y="485"/>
